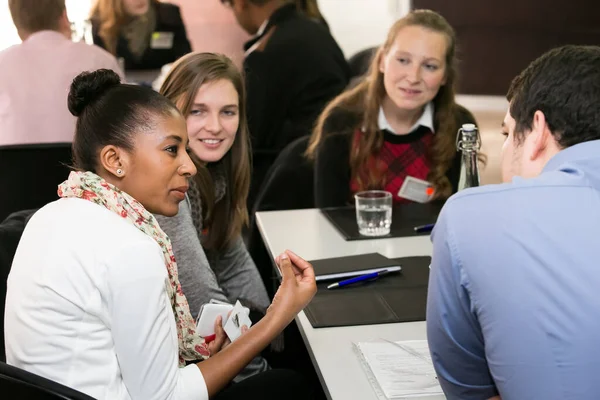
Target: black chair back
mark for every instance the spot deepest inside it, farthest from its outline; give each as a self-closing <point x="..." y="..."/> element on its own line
<point x="16" y="383"/>
<point x="359" y="63"/>
<point x="30" y="175"/>
<point x="262" y="161"/>
<point x="288" y="186"/>
<point x="11" y="230"/>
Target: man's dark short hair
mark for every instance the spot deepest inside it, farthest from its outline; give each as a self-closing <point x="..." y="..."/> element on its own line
<point x="564" y="84"/>
<point x="36" y="15"/>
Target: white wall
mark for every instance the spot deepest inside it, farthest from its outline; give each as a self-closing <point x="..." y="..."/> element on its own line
<point x="8" y="32"/>
<point x="359" y="24"/>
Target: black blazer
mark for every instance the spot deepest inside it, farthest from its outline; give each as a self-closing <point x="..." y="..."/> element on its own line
<point x="332" y="161"/>
<point x="289" y="82"/>
<point x="168" y="19"/>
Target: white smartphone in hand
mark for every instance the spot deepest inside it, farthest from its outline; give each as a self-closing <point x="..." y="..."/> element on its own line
<point x="208" y="315"/>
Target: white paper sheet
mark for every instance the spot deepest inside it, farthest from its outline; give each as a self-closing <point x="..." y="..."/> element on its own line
<point x="400" y="369"/>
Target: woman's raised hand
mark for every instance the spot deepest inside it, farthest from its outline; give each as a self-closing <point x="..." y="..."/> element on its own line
<point x="297" y="288"/>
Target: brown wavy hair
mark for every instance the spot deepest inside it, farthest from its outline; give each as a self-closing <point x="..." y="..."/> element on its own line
<point x="310" y="8"/>
<point x="110" y="16"/>
<point x="366" y="98"/>
<point x="226" y="217"/>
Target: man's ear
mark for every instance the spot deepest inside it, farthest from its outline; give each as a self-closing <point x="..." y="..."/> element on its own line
<point x="540" y="135"/>
<point x="115" y="160"/>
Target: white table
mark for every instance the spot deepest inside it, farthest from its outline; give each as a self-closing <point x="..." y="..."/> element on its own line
<point x="310" y="235"/>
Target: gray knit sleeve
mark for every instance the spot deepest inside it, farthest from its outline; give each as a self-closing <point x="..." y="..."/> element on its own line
<point x="237" y="274"/>
<point x="198" y="281"/>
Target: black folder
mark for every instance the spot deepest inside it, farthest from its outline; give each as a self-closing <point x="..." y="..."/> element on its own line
<point x="351" y="265"/>
<point x="405" y="217"/>
<point x="397" y="297"/>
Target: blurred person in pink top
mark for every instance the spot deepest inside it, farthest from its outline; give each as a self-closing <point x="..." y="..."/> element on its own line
<point x="35" y="75"/>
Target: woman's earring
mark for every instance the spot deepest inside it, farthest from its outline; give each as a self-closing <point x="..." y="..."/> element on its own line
<point x="119" y="171"/>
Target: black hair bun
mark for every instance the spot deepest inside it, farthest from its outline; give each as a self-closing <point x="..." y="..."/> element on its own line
<point x="89" y="86"/>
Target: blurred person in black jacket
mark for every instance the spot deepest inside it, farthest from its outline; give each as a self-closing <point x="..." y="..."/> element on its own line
<point x="147" y="34"/>
<point x="310" y="8"/>
<point x="293" y="67"/>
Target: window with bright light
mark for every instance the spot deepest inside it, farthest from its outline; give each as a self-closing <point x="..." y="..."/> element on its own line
<point x="77" y="10"/>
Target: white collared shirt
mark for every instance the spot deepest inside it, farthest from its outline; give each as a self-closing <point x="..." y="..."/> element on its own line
<point x="262" y="28"/>
<point x="260" y="31"/>
<point x="426" y="120"/>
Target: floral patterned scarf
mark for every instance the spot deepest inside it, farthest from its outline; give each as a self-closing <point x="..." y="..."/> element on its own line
<point x="89" y="186"/>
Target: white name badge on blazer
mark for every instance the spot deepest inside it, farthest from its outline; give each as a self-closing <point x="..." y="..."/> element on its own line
<point x="416" y="190"/>
<point x="162" y="40"/>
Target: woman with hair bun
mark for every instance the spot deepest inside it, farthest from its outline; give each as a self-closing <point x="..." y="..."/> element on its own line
<point x="94" y="300"/>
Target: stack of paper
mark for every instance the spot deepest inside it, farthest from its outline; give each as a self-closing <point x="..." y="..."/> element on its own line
<point x="399" y="370"/>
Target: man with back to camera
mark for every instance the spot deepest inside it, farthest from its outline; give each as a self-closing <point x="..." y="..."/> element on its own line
<point x="35" y="75"/>
<point x="293" y="67"/>
<point x="513" y="306"/>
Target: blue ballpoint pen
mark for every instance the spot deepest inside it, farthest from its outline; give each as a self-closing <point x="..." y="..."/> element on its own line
<point x="424" y="228"/>
<point x="361" y="278"/>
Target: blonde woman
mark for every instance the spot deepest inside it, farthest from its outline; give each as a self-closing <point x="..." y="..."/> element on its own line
<point x="400" y="121"/>
<point x="147" y="34"/>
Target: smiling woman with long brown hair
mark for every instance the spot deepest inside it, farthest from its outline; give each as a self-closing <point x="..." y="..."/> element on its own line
<point x="209" y="91"/>
<point x="400" y="121"/>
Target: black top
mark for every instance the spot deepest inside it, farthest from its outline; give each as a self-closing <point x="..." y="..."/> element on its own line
<point x="289" y="82"/>
<point x="332" y="161"/>
<point x="168" y="20"/>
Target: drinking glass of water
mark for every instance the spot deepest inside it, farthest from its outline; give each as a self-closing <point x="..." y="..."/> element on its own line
<point x="373" y="212"/>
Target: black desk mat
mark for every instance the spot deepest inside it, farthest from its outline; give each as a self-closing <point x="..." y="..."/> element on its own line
<point x="397" y="297"/>
<point x="405" y="217"/>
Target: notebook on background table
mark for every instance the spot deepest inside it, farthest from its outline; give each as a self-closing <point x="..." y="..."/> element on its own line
<point x="405" y="217"/>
